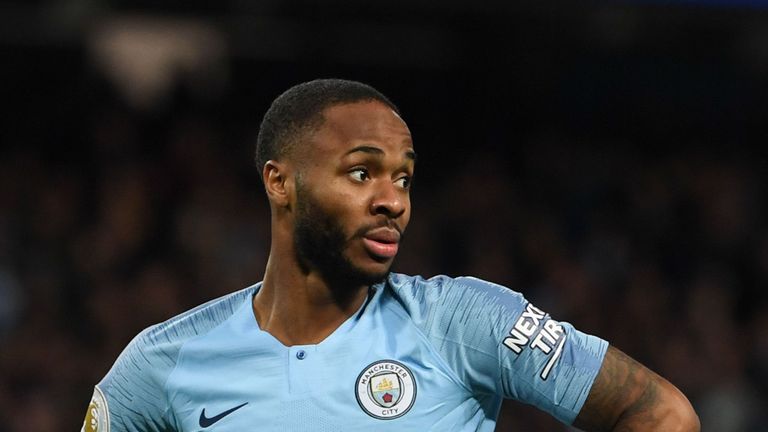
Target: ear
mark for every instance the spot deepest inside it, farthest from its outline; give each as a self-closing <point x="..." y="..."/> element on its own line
<point x="276" y="183"/>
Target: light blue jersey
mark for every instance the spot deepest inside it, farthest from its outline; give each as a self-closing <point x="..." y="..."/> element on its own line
<point x="437" y="354"/>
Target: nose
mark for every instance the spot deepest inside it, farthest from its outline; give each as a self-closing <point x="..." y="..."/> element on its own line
<point x="389" y="200"/>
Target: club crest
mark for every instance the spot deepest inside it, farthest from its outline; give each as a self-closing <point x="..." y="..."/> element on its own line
<point x="386" y="389"/>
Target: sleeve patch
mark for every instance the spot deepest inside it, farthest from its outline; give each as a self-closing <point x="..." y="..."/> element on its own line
<point x="538" y="332"/>
<point x="97" y="416"/>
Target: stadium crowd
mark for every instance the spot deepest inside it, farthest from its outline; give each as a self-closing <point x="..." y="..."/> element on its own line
<point x="132" y="218"/>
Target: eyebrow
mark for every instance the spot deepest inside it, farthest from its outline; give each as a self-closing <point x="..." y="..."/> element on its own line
<point x="410" y="154"/>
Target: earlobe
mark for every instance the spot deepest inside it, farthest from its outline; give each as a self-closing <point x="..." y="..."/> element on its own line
<point x="276" y="183"/>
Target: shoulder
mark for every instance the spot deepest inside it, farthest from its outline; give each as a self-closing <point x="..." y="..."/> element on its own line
<point x="136" y="381"/>
<point x="464" y="319"/>
<point x="419" y="295"/>
<point x="194" y="322"/>
<point x="462" y="311"/>
<point x="164" y="340"/>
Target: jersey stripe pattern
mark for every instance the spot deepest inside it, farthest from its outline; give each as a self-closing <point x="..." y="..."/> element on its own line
<point x="420" y="354"/>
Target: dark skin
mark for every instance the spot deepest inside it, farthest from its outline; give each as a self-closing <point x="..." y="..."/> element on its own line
<point x="627" y="396"/>
<point x="357" y="167"/>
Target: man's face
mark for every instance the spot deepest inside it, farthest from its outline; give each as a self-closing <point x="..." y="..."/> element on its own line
<point x="352" y="193"/>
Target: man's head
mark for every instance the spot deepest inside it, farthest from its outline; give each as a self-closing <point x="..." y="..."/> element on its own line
<point x="337" y="162"/>
<point x="299" y="111"/>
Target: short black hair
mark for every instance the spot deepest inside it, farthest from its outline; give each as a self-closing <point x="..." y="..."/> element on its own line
<point x="300" y="110"/>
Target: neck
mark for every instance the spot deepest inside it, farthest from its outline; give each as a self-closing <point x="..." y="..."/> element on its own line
<point x="299" y="306"/>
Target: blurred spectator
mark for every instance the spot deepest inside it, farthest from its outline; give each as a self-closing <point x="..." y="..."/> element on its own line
<point x="113" y="218"/>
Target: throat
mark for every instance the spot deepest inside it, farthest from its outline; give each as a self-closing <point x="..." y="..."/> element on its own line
<point x="295" y="318"/>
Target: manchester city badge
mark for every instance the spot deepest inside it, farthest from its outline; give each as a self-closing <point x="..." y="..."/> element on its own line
<point x="386" y="389"/>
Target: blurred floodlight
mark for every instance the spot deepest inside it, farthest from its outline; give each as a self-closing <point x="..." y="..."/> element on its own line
<point x="147" y="56"/>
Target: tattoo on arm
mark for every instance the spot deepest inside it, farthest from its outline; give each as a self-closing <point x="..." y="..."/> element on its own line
<point x="622" y="396"/>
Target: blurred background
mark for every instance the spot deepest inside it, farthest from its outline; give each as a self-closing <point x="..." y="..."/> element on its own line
<point x="607" y="159"/>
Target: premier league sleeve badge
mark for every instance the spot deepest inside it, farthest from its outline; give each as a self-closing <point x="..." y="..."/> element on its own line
<point x="97" y="416"/>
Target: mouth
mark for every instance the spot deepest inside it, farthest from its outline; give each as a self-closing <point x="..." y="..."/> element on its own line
<point x="382" y="242"/>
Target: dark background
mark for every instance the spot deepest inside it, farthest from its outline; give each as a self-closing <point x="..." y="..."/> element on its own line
<point x="607" y="159"/>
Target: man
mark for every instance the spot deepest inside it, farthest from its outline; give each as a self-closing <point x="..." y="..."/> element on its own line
<point x="331" y="340"/>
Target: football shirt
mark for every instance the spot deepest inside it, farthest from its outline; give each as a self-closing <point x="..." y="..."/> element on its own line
<point x="420" y="354"/>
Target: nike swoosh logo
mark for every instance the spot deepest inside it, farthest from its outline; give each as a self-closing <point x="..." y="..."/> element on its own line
<point x="207" y="421"/>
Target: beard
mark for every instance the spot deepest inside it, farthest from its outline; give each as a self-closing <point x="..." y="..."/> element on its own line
<point x="320" y="242"/>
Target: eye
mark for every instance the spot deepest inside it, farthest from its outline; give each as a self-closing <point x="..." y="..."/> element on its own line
<point x="404" y="182"/>
<point x="359" y="174"/>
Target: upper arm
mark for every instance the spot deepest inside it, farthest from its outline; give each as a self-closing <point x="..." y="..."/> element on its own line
<point x="131" y="397"/>
<point x="548" y="363"/>
<point x="499" y="344"/>
<point x="628" y="396"/>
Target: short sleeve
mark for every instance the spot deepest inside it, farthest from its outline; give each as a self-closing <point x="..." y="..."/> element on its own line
<point x="500" y="344"/>
<point x="549" y="364"/>
<point x="131" y="396"/>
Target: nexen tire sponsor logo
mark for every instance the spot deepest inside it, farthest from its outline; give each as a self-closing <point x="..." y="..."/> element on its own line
<point x="551" y="336"/>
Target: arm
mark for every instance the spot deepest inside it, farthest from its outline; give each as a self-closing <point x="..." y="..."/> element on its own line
<point x="132" y="397"/>
<point x="627" y="396"/>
